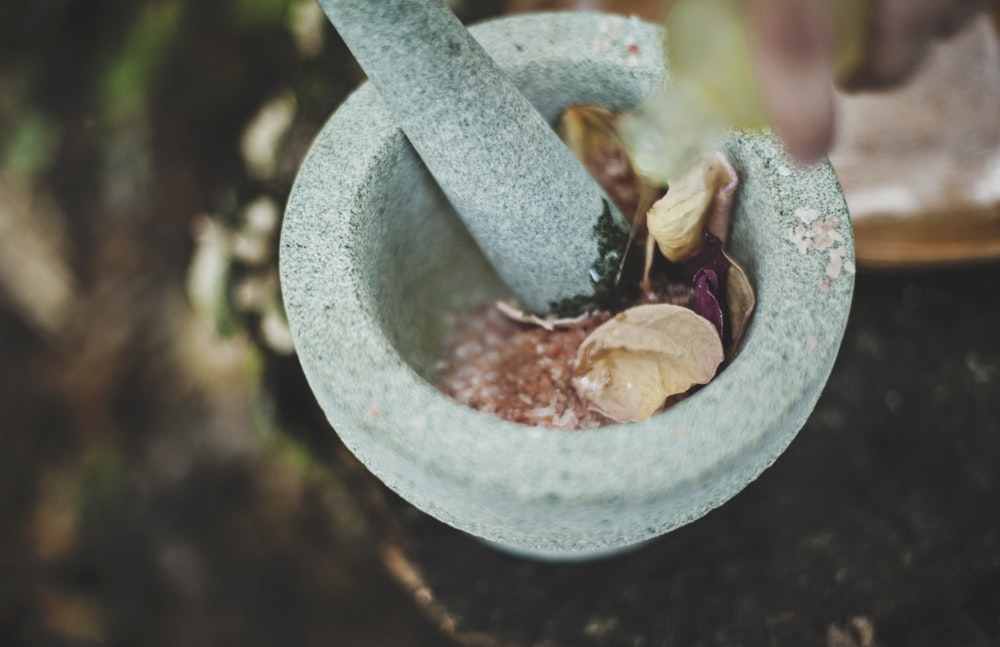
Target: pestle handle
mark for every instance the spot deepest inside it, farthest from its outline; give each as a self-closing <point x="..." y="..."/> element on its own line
<point x="545" y="225"/>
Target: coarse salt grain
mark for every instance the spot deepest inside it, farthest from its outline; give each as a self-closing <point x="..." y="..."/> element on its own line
<point x="523" y="372"/>
<point x="516" y="371"/>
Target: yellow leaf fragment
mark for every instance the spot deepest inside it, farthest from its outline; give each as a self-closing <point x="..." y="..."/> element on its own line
<point x="630" y="365"/>
<point x="703" y="194"/>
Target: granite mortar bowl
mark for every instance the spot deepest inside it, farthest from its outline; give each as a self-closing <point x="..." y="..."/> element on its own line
<point x="375" y="263"/>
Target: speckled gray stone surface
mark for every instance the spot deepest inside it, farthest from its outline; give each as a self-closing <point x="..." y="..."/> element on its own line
<point x="374" y="262"/>
<point x="536" y="213"/>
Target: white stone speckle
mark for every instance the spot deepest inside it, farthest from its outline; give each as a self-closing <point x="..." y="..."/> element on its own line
<point x="600" y="45"/>
<point x="805" y="215"/>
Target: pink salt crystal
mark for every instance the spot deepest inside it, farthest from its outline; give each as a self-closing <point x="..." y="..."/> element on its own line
<point x="515" y="371"/>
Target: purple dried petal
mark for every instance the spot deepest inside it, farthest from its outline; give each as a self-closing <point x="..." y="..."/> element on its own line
<point x="710" y="293"/>
<point x="706" y="303"/>
<point x="710" y="257"/>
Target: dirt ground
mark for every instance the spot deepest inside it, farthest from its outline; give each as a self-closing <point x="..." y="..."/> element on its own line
<point x="878" y="525"/>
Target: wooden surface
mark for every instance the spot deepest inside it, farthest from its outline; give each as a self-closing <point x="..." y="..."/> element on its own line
<point x="920" y="163"/>
<point x="950" y="238"/>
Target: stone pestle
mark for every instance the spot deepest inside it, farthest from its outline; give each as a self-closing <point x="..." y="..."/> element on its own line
<point x="547" y="228"/>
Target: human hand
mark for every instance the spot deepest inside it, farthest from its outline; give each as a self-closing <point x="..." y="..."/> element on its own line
<point x="795" y="45"/>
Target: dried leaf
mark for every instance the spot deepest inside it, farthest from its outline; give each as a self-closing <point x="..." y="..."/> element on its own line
<point x="629" y="366"/>
<point x="741" y="301"/>
<point x="591" y="133"/>
<point x="703" y="195"/>
<point x="209" y="273"/>
<point x="263" y="136"/>
<point x="35" y="271"/>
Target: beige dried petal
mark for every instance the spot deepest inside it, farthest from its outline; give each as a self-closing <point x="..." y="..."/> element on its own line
<point x="629" y="366"/>
<point x="676" y="220"/>
<point x="742" y="301"/>
<point x="720" y="213"/>
<point x="587" y="131"/>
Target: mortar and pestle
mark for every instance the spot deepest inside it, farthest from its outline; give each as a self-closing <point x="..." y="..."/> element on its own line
<point x="438" y="183"/>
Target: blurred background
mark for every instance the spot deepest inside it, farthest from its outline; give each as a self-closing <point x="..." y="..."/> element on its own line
<point x="166" y="478"/>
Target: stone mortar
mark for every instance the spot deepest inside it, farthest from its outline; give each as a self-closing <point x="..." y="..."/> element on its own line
<point x="374" y="263"/>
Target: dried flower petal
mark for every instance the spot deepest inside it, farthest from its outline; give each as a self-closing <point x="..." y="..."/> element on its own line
<point x="734" y="292"/>
<point x="676" y="220"/>
<point x="706" y="301"/>
<point x="741" y="301"/>
<point x="630" y="365"/>
<point x="513" y="311"/>
<point x="711" y="256"/>
<point x="591" y="133"/>
<point x="720" y="213"/>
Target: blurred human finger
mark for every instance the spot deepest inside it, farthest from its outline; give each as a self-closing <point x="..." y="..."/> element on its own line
<point x="791" y="43"/>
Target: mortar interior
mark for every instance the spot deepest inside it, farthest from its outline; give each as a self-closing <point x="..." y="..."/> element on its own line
<point x="425" y="267"/>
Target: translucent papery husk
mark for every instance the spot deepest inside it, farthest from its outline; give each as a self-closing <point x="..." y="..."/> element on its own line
<point x="591" y="132"/>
